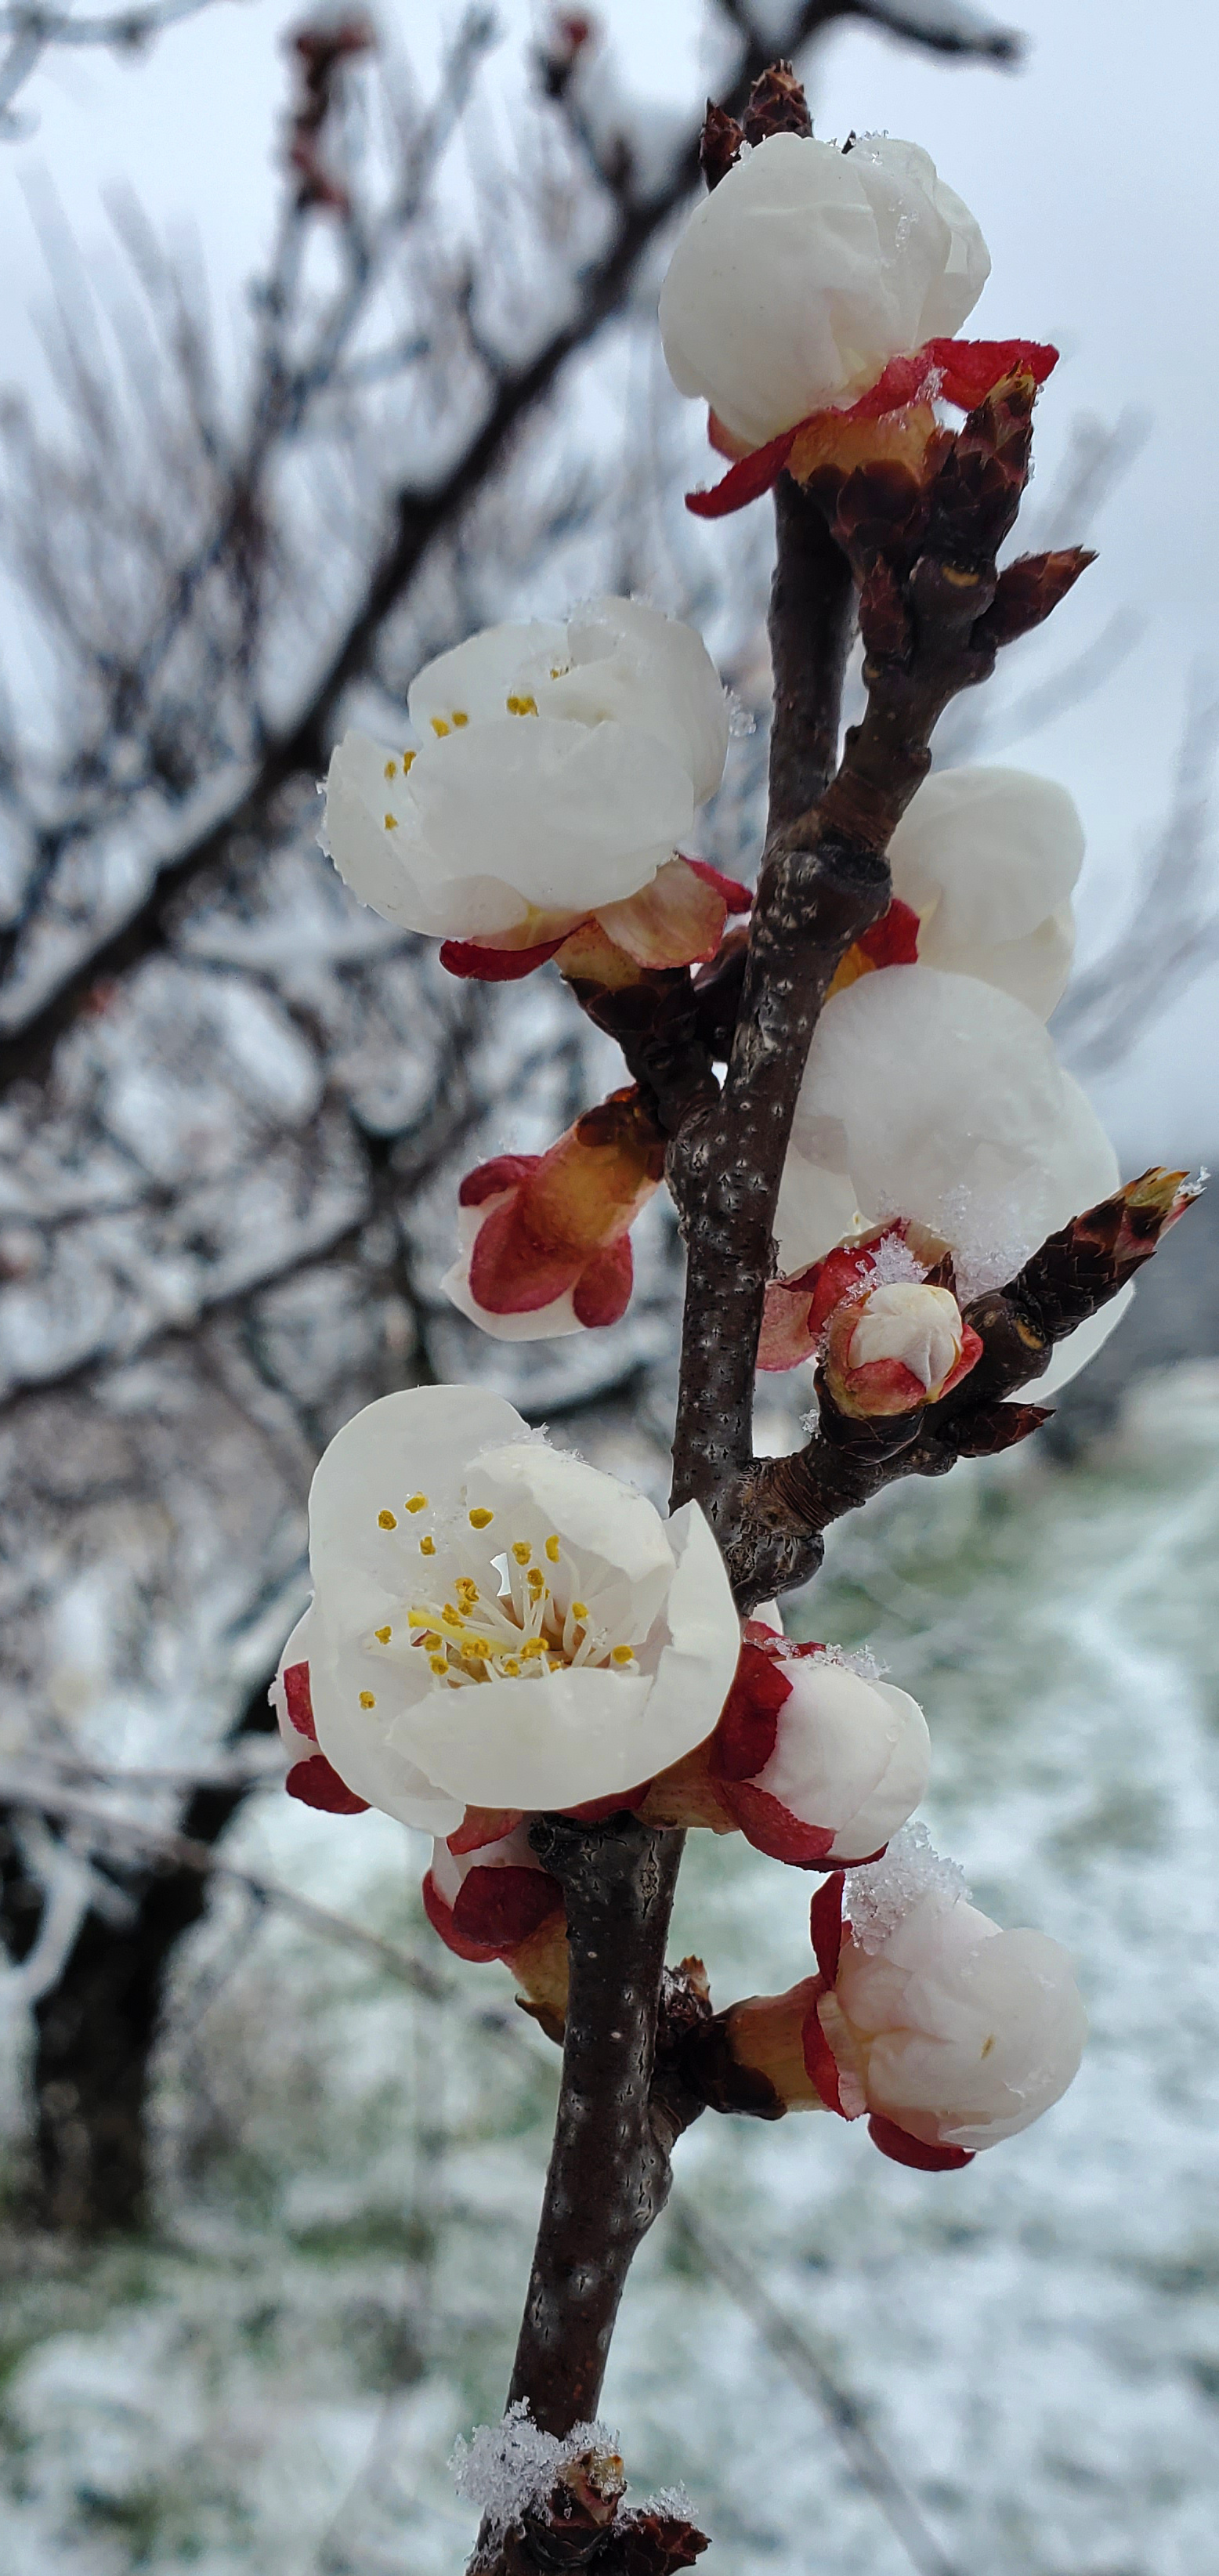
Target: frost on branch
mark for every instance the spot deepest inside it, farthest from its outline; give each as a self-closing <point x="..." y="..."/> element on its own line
<point x="508" y="2469"/>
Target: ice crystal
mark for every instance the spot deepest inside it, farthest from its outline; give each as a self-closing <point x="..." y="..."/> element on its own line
<point x="509" y="2468"/>
<point x="892" y="1263"/>
<point x="879" y="1897"/>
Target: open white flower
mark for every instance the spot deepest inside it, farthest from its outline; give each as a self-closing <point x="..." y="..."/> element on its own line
<point x="936" y="1097"/>
<point x="958" y="2033"/>
<point x="497" y="1624"/>
<point x="988" y="859"/>
<point x="806" y="270"/>
<point x="556" y="770"/>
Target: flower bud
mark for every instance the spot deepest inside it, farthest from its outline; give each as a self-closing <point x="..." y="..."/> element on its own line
<point x="817" y="1762"/>
<point x="546" y="1238"/>
<point x="950" y="2033"/>
<point x="485" y="1903"/>
<point x="900" y="1346"/>
<point x="807" y="270"/>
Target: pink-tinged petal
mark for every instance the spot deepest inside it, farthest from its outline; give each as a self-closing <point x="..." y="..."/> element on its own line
<point x="503" y="1172"/>
<point x="469" y="958"/>
<point x="603" y="1290"/>
<point x="298" y="1702"/>
<point x="440" y="1916"/>
<point x="745" y="1738"/>
<point x="772" y="1828"/>
<point x="736" y="897"/>
<point x="677" y="920"/>
<point x="503" y="1906"/>
<point x="820" y="2063"/>
<point x="317" y="1784"/>
<point x="825" y="1925"/>
<point x="482" y="1825"/>
<point x="787" y="1336"/>
<point x="902" y="2149"/>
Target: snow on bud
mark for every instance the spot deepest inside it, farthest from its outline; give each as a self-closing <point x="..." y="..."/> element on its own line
<point x="496" y="1623"/>
<point x="556" y="770"/>
<point x="806" y="271"/>
<point x="938" y="1098"/>
<point x="545" y="1238"/>
<point x="817" y="1761"/>
<point x="988" y="859"/>
<point x="899" y="1346"/>
<point x="950" y="2033"/>
<point x="486" y="1902"/>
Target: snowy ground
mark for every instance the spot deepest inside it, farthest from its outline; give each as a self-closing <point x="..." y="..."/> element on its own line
<point x="351" y="2173"/>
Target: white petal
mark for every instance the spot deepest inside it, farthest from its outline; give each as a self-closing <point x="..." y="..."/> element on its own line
<point x="418" y="1441"/>
<point x="817" y="1208"/>
<point x="901" y="1787"/>
<point x="544" y="1323"/>
<point x="611" y="1534"/>
<point x="988" y="858"/>
<point x="357" y="1740"/>
<point x="635" y="665"/>
<point x="477" y="678"/>
<point x="697" y="1665"/>
<point x="373" y="833"/>
<point x="572" y="815"/>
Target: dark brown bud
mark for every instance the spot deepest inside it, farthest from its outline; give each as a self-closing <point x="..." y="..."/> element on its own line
<point x="884" y="622"/>
<point x="777" y="105"/>
<point x="1029" y="590"/>
<point x="719" y="145"/>
<point x="991" y="1428"/>
<point x="657" y="2544"/>
<point x="978" y="489"/>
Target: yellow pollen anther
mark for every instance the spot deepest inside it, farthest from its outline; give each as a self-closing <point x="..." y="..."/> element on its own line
<point x="480" y="1646"/>
<point x="368" y="1699"/>
<point x="479" y="1517"/>
<point x="522" y="706"/>
<point x="521" y="1550"/>
<point x="408" y="761"/>
<point x="467" y="1592"/>
<point x="579" y="1609"/>
<point x="391" y="769"/>
<point x="558" y="674"/>
<point x="511" y="1666"/>
<point x="383" y="1635"/>
<point x="622" y="1654"/>
<point x="537" y="1580"/>
<point x="391" y="822"/>
<point x="386" y="1520"/>
<point x="439" y="1663"/>
<point x="432" y="1641"/>
<point x="416" y="1502"/>
<point x="534" y="1646"/>
<point x="427" y="1547"/>
<point x="552" y="1549"/>
<point x="439" y="727"/>
<point x="459" y="716"/>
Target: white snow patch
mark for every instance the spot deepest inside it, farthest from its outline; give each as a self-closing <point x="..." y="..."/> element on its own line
<point x="878" y="1898"/>
<point x="509" y="2468"/>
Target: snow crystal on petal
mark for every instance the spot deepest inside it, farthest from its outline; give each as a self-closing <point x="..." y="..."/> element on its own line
<point x="879" y="1897"/>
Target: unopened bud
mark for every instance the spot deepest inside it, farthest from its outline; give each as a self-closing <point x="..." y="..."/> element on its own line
<point x="902" y="1345"/>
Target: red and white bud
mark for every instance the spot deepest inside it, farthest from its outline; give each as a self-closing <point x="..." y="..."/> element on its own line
<point x="554" y="774"/>
<point x="817" y="1760"/>
<point x="545" y="1238"/>
<point x="806" y="270"/>
<point x="832" y="1292"/>
<point x="949" y="2033"/>
<point x="487" y="1901"/>
<point x="988" y="860"/>
<point x="311" y="1778"/>
<point x="900" y="1346"/>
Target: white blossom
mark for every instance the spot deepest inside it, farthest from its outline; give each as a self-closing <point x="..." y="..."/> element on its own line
<point x="555" y="769"/>
<point x="988" y="859"/>
<point x="936" y="1097"/>
<point x="958" y="2032"/>
<point x="806" y="270"/>
<point x="851" y="1756"/>
<point x="495" y="1623"/>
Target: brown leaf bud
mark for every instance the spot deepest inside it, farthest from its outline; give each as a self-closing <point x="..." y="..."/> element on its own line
<point x="777" y="105"/>
<point x="1028" y="591"/>
<point x="991" y="1428"/>
<point x="657" y="2544"/>
<point x="719" y="145"/>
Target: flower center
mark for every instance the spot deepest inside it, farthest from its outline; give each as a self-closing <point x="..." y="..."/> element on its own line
<point x="520" y="1619"/>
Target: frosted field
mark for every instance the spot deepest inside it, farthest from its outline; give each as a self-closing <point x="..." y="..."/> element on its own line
<point x="350" y="2175"/>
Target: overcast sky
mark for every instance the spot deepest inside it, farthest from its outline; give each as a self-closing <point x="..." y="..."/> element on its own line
<point x="1094" y="176"/>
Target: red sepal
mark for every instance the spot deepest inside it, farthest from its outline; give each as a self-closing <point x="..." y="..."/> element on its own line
<point x="825" y="1925"/>
<point x="488" y="1180"/>
<point x="298" y="1700"/>
<point x="902" y="2149"/>
<point x="736" y="897"/>
<point x="440" y="1916"/>
<point x="482" y="1825"/>
<point x="317" y="1784"/>
<point x="820" y="2063"/>
<point x="501" y="1907"/>
<point x="749" y="1721"/>
<point x="962" y="372"/>
<point x="498" y="965"/>
<point x="772" y="1828"/>
<point x="893" y="940"/>
<point x="602" y="1292"/>
<point x="597" y="1811"/>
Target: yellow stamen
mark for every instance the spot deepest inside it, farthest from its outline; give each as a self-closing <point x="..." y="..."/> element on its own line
<point x="459" y="716"/>
<point x="559" y="674"/>
<point x="408" y="761"/>
<point x="391" y="822"/>
<point x="480" y="1646"/>
<point x="467" y="1592"/>
<point x="479" y="1518"/>
<point x="439" y="1663"/>
<point x="579" y="1609"/>
<point x="521" y="1550"/>
<point x="511" y="1666"/>
<point x="439" y="727"/>
<point x="383" y="1635"/>
<point x="552" y="1549"/>
<point x="385" y="1520"/>
<point x="427" y="1547"/>
<point x="536" y="1580"/>
<point x="367" y="1699"/>
<point x="522" y="706"/>
<point x="534" y="1646"/>
<point x="622" y="1654"/>
<point x="391" y="769"/>
<point x="432" y="1641"/>
<point x="416" y="1502"/>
